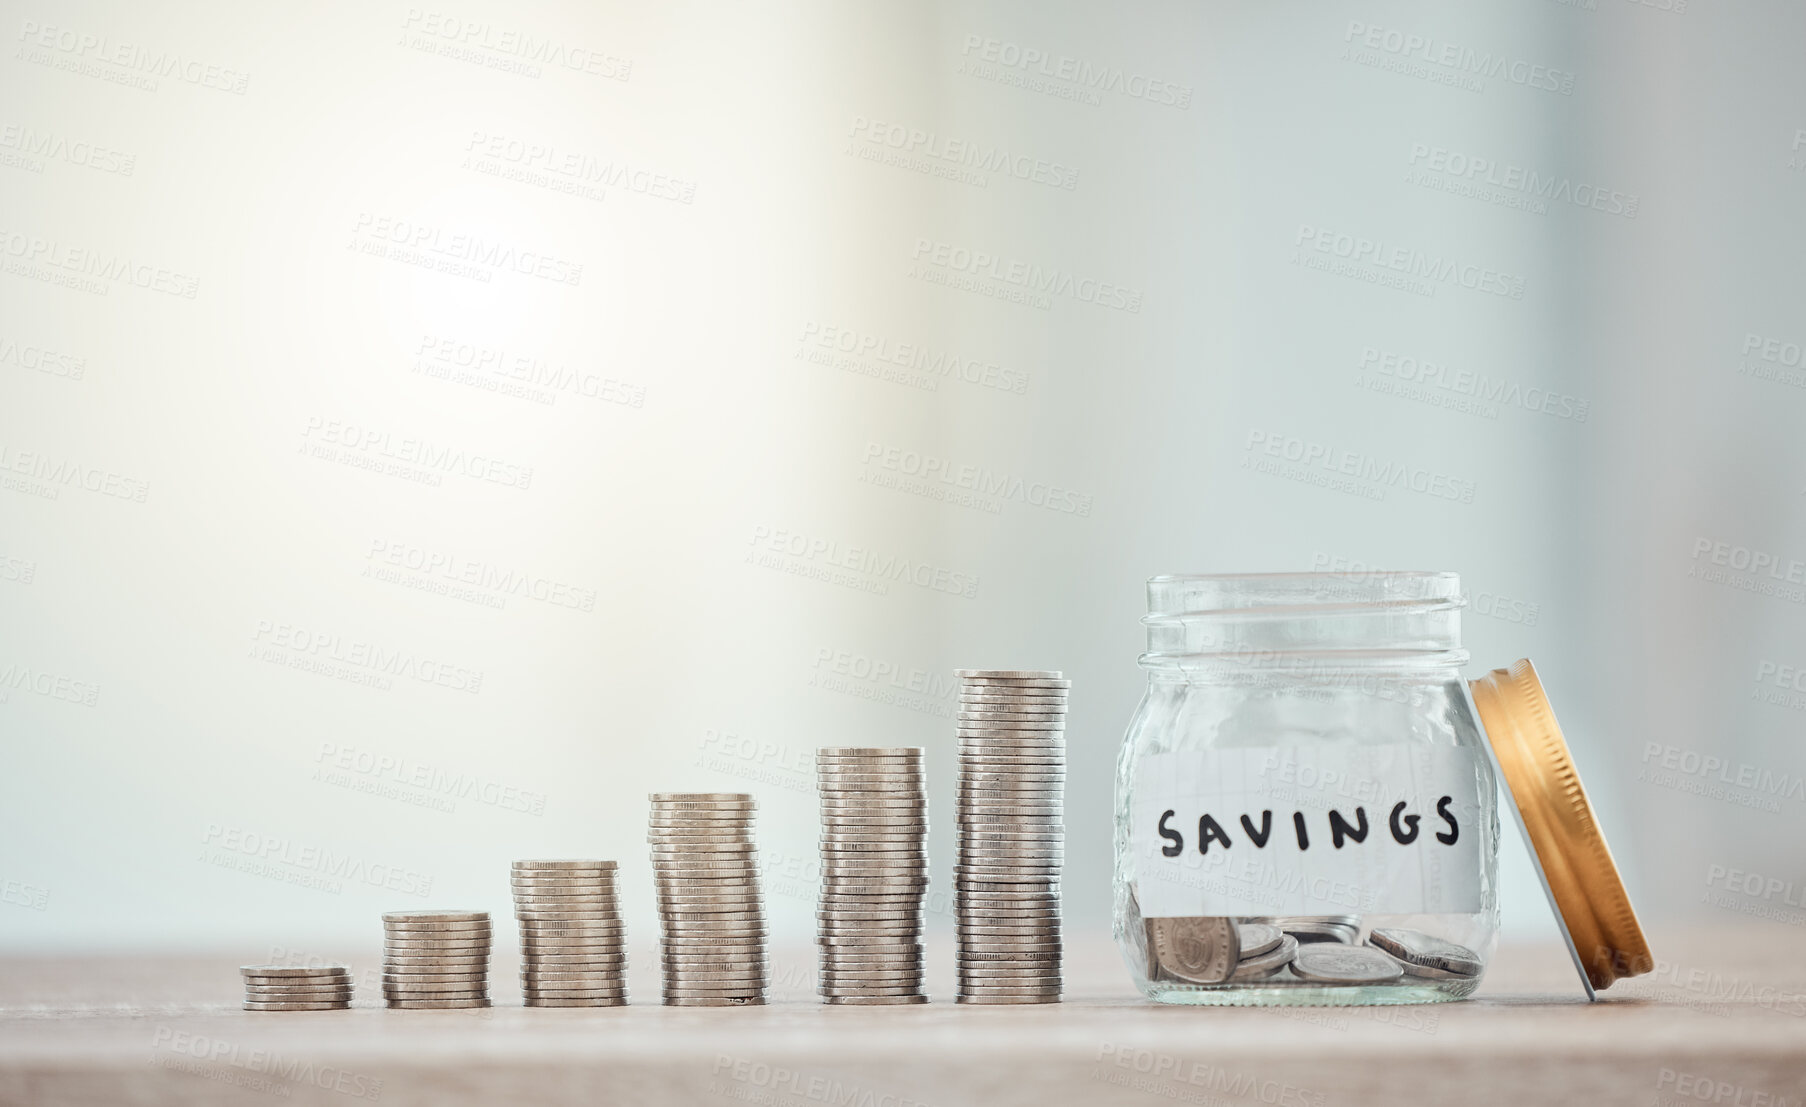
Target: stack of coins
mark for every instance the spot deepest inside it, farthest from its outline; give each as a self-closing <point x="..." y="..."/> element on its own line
<point x="711" y="920"/>
<point x="573" y="946"/>
<point x="1012" y="772"/>
<point x="874" y="873"/>
<point x="287" y="988"/>
<point x="436" y="959"/>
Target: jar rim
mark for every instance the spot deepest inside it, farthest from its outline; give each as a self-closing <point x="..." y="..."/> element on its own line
<point x="1305" y="619"/>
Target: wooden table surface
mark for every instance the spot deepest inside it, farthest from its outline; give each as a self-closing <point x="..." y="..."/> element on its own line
<point x="1722" y="1021"/>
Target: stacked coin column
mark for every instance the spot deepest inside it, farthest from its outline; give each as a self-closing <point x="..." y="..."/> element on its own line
<point x="874" y="873"/>
<point x="711" y="919"/>
<point x="1012" y="772"/>
<point x="573" y="946"/>
<point x="287" y="988"/>
<point x="436" y="959"/>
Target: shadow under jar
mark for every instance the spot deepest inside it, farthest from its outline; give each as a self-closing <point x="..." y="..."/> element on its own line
<point x="1305" y="811"/>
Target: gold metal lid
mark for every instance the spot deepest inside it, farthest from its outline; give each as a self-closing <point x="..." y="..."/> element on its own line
<point x="1576" y="865"/>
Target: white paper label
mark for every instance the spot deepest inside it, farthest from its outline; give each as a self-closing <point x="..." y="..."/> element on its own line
<point x="1307" y="830"/>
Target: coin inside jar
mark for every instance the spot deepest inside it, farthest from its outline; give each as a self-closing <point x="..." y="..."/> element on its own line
<point x="1333" y="963"/>
<point x="1195" y="950"/>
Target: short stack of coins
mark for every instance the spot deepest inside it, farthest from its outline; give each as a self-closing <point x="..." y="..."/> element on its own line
<point x="874" y="874"/>
<point x="289" y="988"/>
<point x="436" y="960"/>
<point x="1012" y="773"/>
<point x="573" y="945"/>
<point x="711" y="918"/>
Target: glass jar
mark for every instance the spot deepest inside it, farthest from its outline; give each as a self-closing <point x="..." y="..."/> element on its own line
<point x="1305" y="766"/>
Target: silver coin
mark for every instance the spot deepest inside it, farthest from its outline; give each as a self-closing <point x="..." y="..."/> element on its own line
<point x="421" y="987"/>
<point x="880" y="802"/>
<point x="393" y="999"/>
<point x="1257" y="938"/>
<point x="438" y="1004"/>
<point x="578" y="864"/>
<point x="437" y="945"/>
<point x="1319" y="928"/>
<point x="1008" y="674"/>
<point x="433" y="977"/>
<point x="398" y="957"/>
<point x="710" y="978"/>
<point x="873" y="978"/>
<point x="872" y="1001"/>
<point x="299" y="994"/>
<point x="710" y="914"/>
<point x="1331" y="963"/>
<point x="1005" y="999"/>
<point x="559" y="919"/>
<point x="893" y="914"/>
<point x="588" y="892"/>
<point x="913" y="988"/>
<point x="1048" y="990"/>
<point x="1011" y="761"/>
<point x="701" y="797"/>
<point x="438" y="930"/>
<point x="911" y="933"/>
<point x="436" y="916"/>
<point x="612" y="997"/>
<point x="735" y="835"/>
<point x="870" y="751"/>
<point x="282" y="1005"/>
<point x="1265" y="963"/>
<point x="1048" y="697"/>
<point x="305" y="972"/>
<point x="1427" y="972"/>
<point x="709" y="932"/>
<point x="723" y="997"/>
<point x="1200" y="950"/>
<point x="573" y="979"/>
<point x="307" y="981"/>
<point x="748" y="899"/>
<point x="715" y="1001"/>
<point x="1417" y="948"/>
<point x="1009" y="719"/>
<point x="543" y="935"/>
<point x="595" y="949"/>
<point x="968" y="946"/>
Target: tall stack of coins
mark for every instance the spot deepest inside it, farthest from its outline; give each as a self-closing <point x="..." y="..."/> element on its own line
<point x="1012" y="773"/>
<point x="573" y="946"/>
<point x="711" y="920"/>
<point x="874" y="873"/>
<point x="436" y="959"/>
<point x="287" y="988"/>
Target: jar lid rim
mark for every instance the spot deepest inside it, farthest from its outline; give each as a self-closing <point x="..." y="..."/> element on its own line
<point x="1564" y="836"/>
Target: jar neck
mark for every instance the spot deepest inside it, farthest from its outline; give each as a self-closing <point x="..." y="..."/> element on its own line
<point x="1304" y="626"/>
